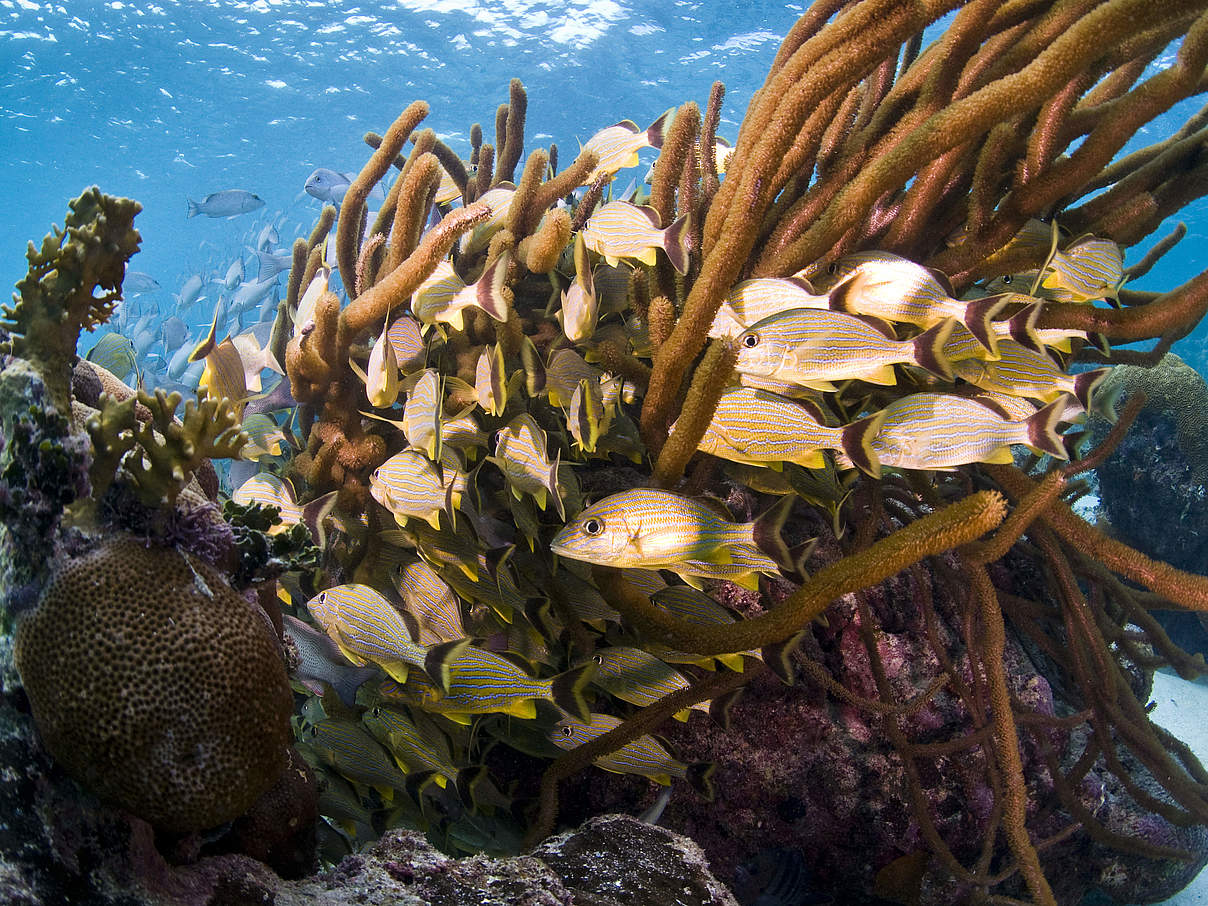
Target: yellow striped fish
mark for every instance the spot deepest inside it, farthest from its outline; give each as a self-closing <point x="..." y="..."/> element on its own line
<point x="224" y="374"/>
<point x="413" y="750"/>
<point x="1022" y="372"/>
<point x="411" y="486"/>
<point x="580" y="307"/>
<point x="461" y="432"/>
<point x="264" y="437"/>
<point x="638" y="677"/>
<point x="267" y="489"/>
<point x="816" y="348"/>
<point x="587" y="417"/>
<point x="884" y="285"/>
<point x="623" y="230"/>
<point x="484" y="683"/>
<point x="444" y="296"/>
<point x="562" y="375"/>
<point x="115" y="353"/>
<point x="655" y="529"/>
<point x="764" y="429"/>
<point x="406" y="335"/>
<point x="1087" y="269"/>
<point x="617" y="146"/>
<point x="346" y="746"/>
<point x="428" y="598"/>
<point x="381" y="373"/>
<point x="520" y="453"/>
<point x="694" y="605"/>
<point x="447" y="190"/>
<point x="422" y="414"/>
<point x="753" y="300"/>
<point x="367" y="628"/>
<point x="942" y="431"/>
<point x="644" y="756"/>
<point x="499" y="201"/>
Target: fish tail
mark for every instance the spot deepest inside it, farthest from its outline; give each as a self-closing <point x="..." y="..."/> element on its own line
<point x="314" y="514"/>
<point x="416" y="783"/>
<point x="978" y="315"/>
<point x="439" y="659"/>
<point x="194" y="208"/>
<point x="1100" y="342"/>
<point x="1086" y="386"/>
<point x="766" y="533"/>
<point x="677" y="240"/>
<point x="700" y="777"/>
<point x="857" y="439"/>
<point x="1042" y="429"/>
<point x="349" y="681"/>
<point x="720" y="707"/>
<point x="929" y="349"/>
<point x="566" y="689"/>
<point x="467" y="782"/>
<point x="1022" y="326"/>
<point x="779" y="657"/>
<point x="551" y="485"/>
<point x="488" y="291"/>
<point x="658" y="129"/>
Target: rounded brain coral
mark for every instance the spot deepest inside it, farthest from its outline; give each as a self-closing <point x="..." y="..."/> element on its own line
<point x="155" y="685"/>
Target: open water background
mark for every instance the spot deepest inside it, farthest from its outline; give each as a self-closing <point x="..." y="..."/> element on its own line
<point x="168" y="100"/>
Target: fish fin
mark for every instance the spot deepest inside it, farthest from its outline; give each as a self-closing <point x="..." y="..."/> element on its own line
<point x="417" y="782"/>
<point x="857" y="441"/>
<point x="314" y="516"/>
<point x="397" y="670"/>
<point x="978" y="315"/>
<point x="552" y="485"/>
<point x="694" y="581"/>
<point x="658" y="129"/>
<point x="439" y="659"/>
<point x="1100" y="342"/>
<point x="349" y="681"/>
<point x="467" y="782"/>
<point x="359" y="372"/>
<point x="766" y="532"/>
<point x="1000" y="457"/>
<point x="1086" y="386"/>
<point x="349" y="653"/>
<point x="731" y="661"/>
<point x="700" y="777"/>
<point x="929" y="349"/>
<point x="1042" y="429"/>
<point x="720" y="707"/>
<point x="488" y="290"/>
<point x="566" y="690"/>
<point x="779" y="657"/>
<point x="682" y="716"/>
<point x="525" y="709"/>
<point x="677" y="240"/>
<point x="194" y="208"/>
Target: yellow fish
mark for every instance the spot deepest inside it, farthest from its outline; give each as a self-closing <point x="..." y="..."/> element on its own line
<point x="617" y="146"/>
<point x="520" y="453"/>
<point x="623" y="230"/>
<point x="411" y="486"/>
<point x="444" y="296"/>
<point x="753" y="300"/>
<point x="1087" y="269"/>
<point x="367" y="628"/>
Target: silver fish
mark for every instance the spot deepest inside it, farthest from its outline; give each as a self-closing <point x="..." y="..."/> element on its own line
<point x="227" y="203"/>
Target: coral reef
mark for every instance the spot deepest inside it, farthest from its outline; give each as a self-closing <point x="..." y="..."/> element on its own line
<point x="156" y="685"/>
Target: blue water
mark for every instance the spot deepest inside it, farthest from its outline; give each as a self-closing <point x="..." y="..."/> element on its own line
<point x="163" y="101"/>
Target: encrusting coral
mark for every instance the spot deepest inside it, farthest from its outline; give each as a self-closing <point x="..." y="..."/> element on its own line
<point x="968" y="166"/>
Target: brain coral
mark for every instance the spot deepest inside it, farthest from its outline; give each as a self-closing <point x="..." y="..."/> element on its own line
<point x="155" y="685"/>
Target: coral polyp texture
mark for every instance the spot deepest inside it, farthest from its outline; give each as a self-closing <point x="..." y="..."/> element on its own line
<point x="155" y="685"/>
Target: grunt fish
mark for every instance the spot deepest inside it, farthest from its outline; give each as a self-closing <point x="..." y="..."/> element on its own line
<point x="411" y="486"/>
<point x="636" y="676"/>
<point x="367" y="628"/>
<point x="444" y="296"/>
<point x="520" y="453"/>
<point x="617" y="146"/>
<point x="623" y="230"/>
<point x="753" y="300"/>
<point x="227" y="203"/>
<point x="430" y="600"/>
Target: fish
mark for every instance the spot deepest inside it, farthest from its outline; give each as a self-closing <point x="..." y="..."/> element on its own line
<point x="1089" y="268"/>
<point x="267" y="238"/>
<point x="428" y="598"/>
<point x="381" y="374"/>
<point x="264" y="437"/>
<point x="760" y="428"/>
<point x="137" y="283"/>
<point x="499" y="201"/>
<point x="414" y="750"/>
<point x="346" y="746"/>
<point x="491" y="385"/>
<point x="1020" y="371"/>
<point x="422" y="414"/>
<point x="655" y="529"/>
<point x="565" y="369"/>
<point x="447" y="190"/>
<point x="481" y="682"/>
<point x="115" y="353"/>
<point x="580" y="307"/>
<point x="255" y="358"/>
<point x="695" y="606"/>
<point x="271" y="265"/>
<point x="411" y="486"/>
<point x="224" y="375"/>
<point x="249" y="295"/>
<point x="587" y="418"/>
<point x="367" y="628"/>
<point x="444" y="296"/>
<point x="407" y="338"/>
<point x="753" y="300"/>
<point x="636" y="676"/>
<point x="623" y="230"/>
<point x="326" y="185"/>
<point x="268" y="489"/>
<point x="173" y="333"/>
<point x="234" y="274"/>
<point x="887" y="286"/>
<point x="941" y="431"/>
<point x="190" y="292"/>
<point x="816" y="348"/>
<point x="520" y="453"/>
<point x="321" y="664"/>
<point x="616" y="147"/>
<point x="645" y="756"/>
<point x="227" y="203"/>
<point x="304" y="317"/>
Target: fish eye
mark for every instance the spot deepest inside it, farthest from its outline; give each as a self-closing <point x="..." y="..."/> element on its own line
<point x="750" y="340"/>
<point x="1006" y="278"/>
<point x="377" y="711"/>
<point x="593" y="526"/>
<point x="567" y="731"/>
<point x="599" y="658"/>
<point x="322" y="597"/>
<point x="832" y="268"/>
<point x="314" y="732"/>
